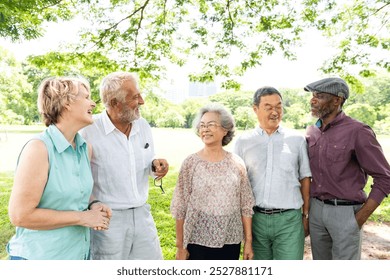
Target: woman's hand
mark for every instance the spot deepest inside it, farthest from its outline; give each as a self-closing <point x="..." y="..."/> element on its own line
<point x="182" y="254"/>
<point x="97" y="218"/>
<point x="248" y="251"/>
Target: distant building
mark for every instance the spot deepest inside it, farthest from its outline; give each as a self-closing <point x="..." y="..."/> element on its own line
<point x="197" y="89"/>
<point x="179" y="91"/>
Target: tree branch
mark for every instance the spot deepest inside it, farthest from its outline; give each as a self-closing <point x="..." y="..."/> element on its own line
<point x="114" y="26"/>
<point x="51" y="5"/>
<point x="230" y="18"/>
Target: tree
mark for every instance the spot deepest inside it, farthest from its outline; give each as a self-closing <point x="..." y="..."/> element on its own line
<point x="224" y="37"/>
<point x="245" y="117"/>
<point x="16" y="102"/>
<point x="170" y="118"/>
<point x="93" y="66"/>
<point x="25" y="19"/>
<point x="362" y="112"/>
<point x="233" y="99"/>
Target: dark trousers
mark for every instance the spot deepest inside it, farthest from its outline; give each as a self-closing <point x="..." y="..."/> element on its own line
<point x="227" y="252"/>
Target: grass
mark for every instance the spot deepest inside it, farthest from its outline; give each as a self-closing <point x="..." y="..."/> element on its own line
<point x="173" y="144"/>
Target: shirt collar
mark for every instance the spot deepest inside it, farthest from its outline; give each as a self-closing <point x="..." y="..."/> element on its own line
<point x="340" y="116"/>
<point x="107" y="123"/>
<point x="110" y="127"/>
<point x="261" y="131"/>
<point x="59" y="140"/>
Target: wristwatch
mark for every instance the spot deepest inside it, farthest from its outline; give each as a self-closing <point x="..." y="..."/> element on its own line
<point x="305" y="215"/>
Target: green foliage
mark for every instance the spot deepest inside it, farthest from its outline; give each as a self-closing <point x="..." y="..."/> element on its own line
<point x="93" y="66"/>
<point x="362" y="112"/>
<point x="245" y="117"/>
<point x="361" y="29"/>
<point x="160" y="207"/>
<point x="170" y="118"/>
<point x="25" y="19"/>
<point x="233" y="99"/>
<point x="226" y="38"/>
<point x="15" y="97"/>
<point x="6" y="229"/>
<point x="190" y="108"/>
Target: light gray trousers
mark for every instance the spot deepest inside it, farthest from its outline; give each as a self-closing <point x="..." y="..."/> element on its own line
<point x="132" y="235"/>
<point x="334" y="232"/>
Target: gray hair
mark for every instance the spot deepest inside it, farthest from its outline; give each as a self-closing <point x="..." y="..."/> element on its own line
<point x="226" y="118"/>
<point x="111" y="87"/>
<point x="264" y="91"/>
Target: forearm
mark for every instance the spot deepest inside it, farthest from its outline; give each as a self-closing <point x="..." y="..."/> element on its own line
<point x="365" y="212"/>
<point x="180" y="233"/>
<point x="247" y="224"/>
<point x="46" y="219"/>
<point x="305" y="191"/>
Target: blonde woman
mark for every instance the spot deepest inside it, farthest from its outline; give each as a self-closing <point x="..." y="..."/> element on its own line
<point x="51" y="204"/>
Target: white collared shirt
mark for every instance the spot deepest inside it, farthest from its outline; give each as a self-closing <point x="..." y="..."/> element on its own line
<point x="120" y="165"/>
<point x="275" y="163"/>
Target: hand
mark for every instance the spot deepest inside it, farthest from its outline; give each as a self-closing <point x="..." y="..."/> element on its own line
<point x="103" y="208"/>
<point x="96" y="218"/>
<point x="182" y="254"/>
<point x="306" y="226"/>
<point x="248" y="251"/>
<point x="160" y="167"/>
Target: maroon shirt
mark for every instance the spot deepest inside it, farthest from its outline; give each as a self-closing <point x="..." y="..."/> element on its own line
<point x="342" y="155"/>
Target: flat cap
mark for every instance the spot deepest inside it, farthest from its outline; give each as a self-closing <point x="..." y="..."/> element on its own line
<point x="335" y="86"/>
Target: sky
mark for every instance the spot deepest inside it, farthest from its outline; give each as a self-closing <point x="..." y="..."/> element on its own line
<point x="275" y="71"/>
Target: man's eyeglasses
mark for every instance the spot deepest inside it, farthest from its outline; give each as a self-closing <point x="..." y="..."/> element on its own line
<point x="210" y="126"/>
<point x="159" y="183"/>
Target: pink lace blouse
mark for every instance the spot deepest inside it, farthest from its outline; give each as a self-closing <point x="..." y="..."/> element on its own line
<point x="212" y="197"/>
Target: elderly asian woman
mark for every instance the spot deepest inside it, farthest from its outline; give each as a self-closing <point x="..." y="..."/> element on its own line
<point x="212" y="202"/>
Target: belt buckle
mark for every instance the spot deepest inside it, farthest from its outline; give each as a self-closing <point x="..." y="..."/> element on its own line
<point x="268" y="211"/>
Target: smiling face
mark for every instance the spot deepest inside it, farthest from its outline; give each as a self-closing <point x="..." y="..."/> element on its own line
<point x="210" y="130"/>
<point x="82" y="107"/>
<point x="269" y="112"/>
<point x="129" y="109"/>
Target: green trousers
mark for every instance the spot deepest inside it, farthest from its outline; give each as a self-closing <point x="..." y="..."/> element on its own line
<point x="278" y="236"/>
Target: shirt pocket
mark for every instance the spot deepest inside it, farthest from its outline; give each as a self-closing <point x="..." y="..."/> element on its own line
<point x="144" y="158"/>
<point x="336" y="152"/>
<point x="287" y="161"/>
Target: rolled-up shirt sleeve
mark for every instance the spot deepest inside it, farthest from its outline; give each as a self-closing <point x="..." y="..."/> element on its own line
<point x="372" y="160"/>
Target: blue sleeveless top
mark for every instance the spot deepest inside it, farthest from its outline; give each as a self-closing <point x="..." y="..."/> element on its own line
<point x="68" y="188"/>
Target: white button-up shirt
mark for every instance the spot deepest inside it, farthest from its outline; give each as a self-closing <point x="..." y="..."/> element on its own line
<point x="276" y="163"/>
<point x="120" y="165"/>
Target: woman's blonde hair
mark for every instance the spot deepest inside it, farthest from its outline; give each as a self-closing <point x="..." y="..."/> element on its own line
<point x="55" y="93"/>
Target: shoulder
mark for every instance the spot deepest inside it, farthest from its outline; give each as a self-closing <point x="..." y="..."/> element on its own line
<point x="96" y="125"/>
<point x="247" y="135"/>
<point x="190" y="160"/>
<point x="34" y="151"/>
<point x="294" y="135"/>
<point x="357" y="125"/>
<point x="142" y="122"/>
